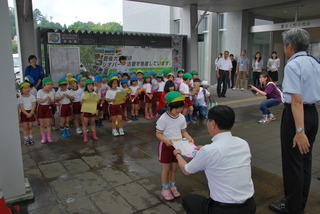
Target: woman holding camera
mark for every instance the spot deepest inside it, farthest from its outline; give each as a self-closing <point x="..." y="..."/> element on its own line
<point x="272" y="92"/>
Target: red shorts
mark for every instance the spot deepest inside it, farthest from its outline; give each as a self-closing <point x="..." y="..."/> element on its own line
<point x="115" y="110"/>
<point x="157" y="96"/>
<point x="76" y="108"/>
<point x="88" y="115"/>
<point x="187" y="102"/>
<point x="136" y="100"/>
<point x="65" y="110"/>
<point x="25" y="119"/>
<point x="147" y="99"/>
<point x="53" y="109"/>
<point x="44" y="111"/>
<point x="166" y="153"/>
<point x="126" y="103"/>
<point x="102" y="106"/>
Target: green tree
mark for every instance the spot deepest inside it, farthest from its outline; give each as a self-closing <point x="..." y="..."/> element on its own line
<point x="14" y="48"/>
<point x="12" y="22"/>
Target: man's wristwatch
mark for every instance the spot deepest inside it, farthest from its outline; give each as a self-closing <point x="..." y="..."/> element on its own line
<point x="299" y="130"/>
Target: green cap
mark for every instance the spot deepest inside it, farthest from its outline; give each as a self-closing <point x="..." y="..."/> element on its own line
<point x="187" y="75"/>
<point x="21" y="85"/>
<point x="165" y="72"/>
<point x="103" y="75"/>
<point x="194" y="72"/>
<point x="146" y="75"/>
<point x="173" y="96"/>
<point x="88" y="81"/>
<point x="159" y="74"/>
<point x="47" y="80"/>
<point x="62" y="81"/>
<point x="180" y="69"/>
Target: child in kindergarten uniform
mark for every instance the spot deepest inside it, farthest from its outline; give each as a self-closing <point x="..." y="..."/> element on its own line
<point x="81" y="81"/>
<point x="148" y="96"/>
<point x="88" y="117"/>
<point x="185" y="91"/>
<point x="33" y="90"/>
<point x="27" y="106"/>
<point x="134" y="98"/>
<point x="102" y="105"/>
<point x="76" y="103"/>
<point x="159" y="92"/>
<point x="125" y="105"/>
<point x="179" y="78"/>
<point x="153" y="80"/>
<point x="171" y="125"/>
<point x="115" y="111"/>
<point x="65" y="98"/>
<point x="45" y="99"/>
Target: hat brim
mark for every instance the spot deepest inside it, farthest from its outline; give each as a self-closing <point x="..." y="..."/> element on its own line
<point x="178" y="99"/>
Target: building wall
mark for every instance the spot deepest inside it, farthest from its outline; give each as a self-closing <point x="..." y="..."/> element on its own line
<point x="142" y="17"/>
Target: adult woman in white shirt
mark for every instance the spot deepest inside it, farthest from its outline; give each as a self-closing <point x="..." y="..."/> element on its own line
<point x="257" y="64"/>
<point x="273" y="66"/>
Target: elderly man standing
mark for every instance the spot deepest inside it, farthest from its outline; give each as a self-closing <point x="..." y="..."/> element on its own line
<point x="226" y="163"/>
<point x="242" y="70"/>
<point x="299" y="126"/>
<point x="224" y="67"/>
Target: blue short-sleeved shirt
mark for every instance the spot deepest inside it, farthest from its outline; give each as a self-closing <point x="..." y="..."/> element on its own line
<point x="36" y="73"/>
<point x="243" y="63"/>
<point x="302" y="76"/>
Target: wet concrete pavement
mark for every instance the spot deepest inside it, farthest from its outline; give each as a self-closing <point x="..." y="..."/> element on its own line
<point x="122" y="174"/>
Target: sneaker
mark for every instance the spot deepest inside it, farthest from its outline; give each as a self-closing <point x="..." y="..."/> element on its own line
<point x="271" y="117"/>
<point x="166" y="193"/>
<point x="78" y="131"/>
<point x="31" y="142"/>
<point x="26" y="142"/>
<point x="115" y="132"/>
<point x="175" y="192"/>
<point x="234" y="89"/>
<point x="263" y="121"/>
<point x="242" y="89"/>
<point x="121" y="132"/>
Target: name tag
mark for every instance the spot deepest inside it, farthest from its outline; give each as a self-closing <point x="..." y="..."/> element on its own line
<point x="241" y="64"/>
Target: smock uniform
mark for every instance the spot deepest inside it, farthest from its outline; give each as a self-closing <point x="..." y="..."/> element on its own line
<point x="301" y="76"/>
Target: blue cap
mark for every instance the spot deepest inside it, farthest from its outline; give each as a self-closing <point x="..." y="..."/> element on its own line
<point x="123" y="80"/>
<point x="113" y="75"/>
<point x="151" y="72"/>
<point x="76" y="76"/>
<point x="80" y="78"/>
<point x="133" y="79"/>
<point x="64" y="76"/>
<point x="98" y="78"/>
<point x="29" y="79"/>
<point x="132" y="72"/>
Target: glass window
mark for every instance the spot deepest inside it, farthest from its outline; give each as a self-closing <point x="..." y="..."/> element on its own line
<point x="222" y="20"/>
<point x="176" y="26"/>
<point x="205" y="23"/>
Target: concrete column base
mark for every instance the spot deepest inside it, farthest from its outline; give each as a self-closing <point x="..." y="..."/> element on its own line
<point x="29" y="195"/>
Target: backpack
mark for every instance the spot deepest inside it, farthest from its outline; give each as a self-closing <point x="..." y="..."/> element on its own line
<point x="281" y="94"/>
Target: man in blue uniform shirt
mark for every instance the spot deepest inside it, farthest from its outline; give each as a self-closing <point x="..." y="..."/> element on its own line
<point x="299" y="126"/>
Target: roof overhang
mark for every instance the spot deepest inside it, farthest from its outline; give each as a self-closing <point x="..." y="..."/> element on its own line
<point x="221" y="5"/>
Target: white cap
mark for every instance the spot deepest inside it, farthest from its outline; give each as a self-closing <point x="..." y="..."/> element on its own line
<point x="205" y="83"/>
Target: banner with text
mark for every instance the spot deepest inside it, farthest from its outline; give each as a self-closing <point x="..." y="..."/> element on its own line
<point x="145" y="59"/>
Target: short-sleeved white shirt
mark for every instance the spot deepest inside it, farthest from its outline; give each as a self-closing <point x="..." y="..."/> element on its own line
<point x="227" y="165"/>
<point x="42" y="95"/>
<point x="34" y="92"/>
<point x="201" y="98"/>
<point x="27" y="102"/>
<point x="111" y="94"/>
<point x="184" y="88"/>
<point x="154" y="81"/>
<point x="224" y="64"/>
<point x="123" y="69"/>
<point x="140" y="83"/>
<point x="170" y="126"/>
<point x="77" y="94"/>
<point x="147" y="86"/>
<point x="104" y="86"/>
<point x="133" y="89"/>
<point x="64" y="100"/>
<point x="161" y="86"/>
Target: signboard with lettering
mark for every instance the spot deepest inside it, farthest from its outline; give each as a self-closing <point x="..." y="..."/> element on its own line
<point x="286" y="26"/>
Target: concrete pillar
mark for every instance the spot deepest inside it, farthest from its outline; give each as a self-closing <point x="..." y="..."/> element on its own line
<point x="25" y="30"/>
<point x="213" y="46"/>
<point x="190" y="19"/>
<point x="11" y="168"/>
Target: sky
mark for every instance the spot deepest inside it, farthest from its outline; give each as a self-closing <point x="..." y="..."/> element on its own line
<point x="70" y="11"/>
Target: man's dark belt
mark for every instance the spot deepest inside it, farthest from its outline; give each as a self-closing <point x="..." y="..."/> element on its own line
<point x="304" y="105"/>
<point x="224" y="70"/>
<point x="231" y="205"/>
